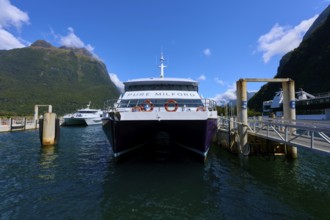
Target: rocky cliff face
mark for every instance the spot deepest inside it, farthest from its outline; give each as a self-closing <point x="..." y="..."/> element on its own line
<point x="308" y="65"/>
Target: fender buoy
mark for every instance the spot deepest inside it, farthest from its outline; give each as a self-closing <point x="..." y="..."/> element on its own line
<point x="170" y="102"/>
<point x="151" y="105"/>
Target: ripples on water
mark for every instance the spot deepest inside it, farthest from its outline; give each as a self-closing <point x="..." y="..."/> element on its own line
<point x="78" y="179"/>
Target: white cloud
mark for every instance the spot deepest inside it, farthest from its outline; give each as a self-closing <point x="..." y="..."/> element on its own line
<point x="10" y="17"/>
<point x="201" y="77"/>
<point x="219" y="81"/>
<point x="9" y="41"/>
<point x="207" y="52"/>
<point x="227" y="96"/>
<point x="280" y="39"/>
<point x="71" y="40"/>
<point x="117" y="82"/>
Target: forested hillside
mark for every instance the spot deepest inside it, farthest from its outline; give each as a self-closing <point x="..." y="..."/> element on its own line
<point x="42" y="74"/>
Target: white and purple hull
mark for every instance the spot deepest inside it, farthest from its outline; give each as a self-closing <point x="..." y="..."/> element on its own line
<point x="127" y="135"/>
<point x="160" y="112"/>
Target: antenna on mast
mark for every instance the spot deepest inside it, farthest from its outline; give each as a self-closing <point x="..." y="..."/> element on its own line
<point x="161" y="66"/>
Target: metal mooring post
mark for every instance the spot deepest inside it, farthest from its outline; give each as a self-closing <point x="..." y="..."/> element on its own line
<point x="289" y="103"/>
<point x="289" y="110"/>
<point x="242" y="114"/>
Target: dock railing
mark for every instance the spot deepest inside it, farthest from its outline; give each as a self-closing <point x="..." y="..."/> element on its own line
<point x="301" y="133"/>
<point x="17" y="123"/>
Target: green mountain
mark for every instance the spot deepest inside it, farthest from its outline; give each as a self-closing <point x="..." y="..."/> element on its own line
<point x="308" y="65"/>
<point x="66" y="78"/>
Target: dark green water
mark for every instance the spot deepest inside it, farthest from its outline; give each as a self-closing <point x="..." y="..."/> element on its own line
<point x="78" y="179"/>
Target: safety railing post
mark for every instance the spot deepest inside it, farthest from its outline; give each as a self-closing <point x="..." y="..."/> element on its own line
<point x="286" y="133"/>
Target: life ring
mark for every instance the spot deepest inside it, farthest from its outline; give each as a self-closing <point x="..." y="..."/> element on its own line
<point x="200" y="108"/>
<point x="151" y="105"/>
<point x="171" y="102"/>
<point x="136" y="108"/>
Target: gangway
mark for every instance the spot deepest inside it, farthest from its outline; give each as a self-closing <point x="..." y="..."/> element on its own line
<point x="298" y="133"/>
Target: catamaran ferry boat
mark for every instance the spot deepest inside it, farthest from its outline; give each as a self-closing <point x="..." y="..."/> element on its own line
<point x="168" y="110"/>
<point x="85" y="116"/>
<point x="308" y="106"/>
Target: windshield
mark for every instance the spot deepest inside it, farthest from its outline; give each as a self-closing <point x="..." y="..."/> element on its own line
<point x="159" y="102"/>
<point x="161" y="87"/>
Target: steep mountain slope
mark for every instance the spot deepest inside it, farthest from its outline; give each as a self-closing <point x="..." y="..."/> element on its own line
<point x="308" y="65"/>
<point x="42" y="74"/>
<point x="318" y="22"/>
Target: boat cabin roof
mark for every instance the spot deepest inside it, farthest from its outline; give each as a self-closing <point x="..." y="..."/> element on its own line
<point x="160" y="81"/>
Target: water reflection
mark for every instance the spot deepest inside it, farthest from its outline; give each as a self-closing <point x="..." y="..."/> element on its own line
<point x="79" y="179"/>
<point x="48" y="156"/>
<point x="149" y="188"/>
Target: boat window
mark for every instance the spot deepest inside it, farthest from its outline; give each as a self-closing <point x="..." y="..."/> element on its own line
<point x="161" y="87"/>
<point x="86" y="112"/>
<point x="160" y="102"/>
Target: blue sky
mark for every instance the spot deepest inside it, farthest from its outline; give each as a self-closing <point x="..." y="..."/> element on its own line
<point x="213" y="41"/>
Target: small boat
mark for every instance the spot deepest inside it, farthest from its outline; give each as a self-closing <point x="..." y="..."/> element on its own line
<point x="164" y="111"/>
<point x="85" y="116"/>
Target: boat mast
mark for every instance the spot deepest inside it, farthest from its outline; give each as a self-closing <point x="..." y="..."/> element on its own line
<point x="161" y="66"/>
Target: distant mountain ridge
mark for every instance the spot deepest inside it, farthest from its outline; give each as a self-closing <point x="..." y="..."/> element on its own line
<point x="67" y="78"/>
<point x="249" y="96"/>
<point x="308" y="65"/>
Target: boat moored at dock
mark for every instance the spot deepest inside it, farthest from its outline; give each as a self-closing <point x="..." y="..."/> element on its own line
<point x="168" y="110"/>
<point x="308" y="106"/>
<point x="85" y="116"/>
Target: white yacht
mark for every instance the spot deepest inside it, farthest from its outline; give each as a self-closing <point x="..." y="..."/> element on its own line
<point x="85" y="116"/>
<point x="168" y="110"/>
<point x="308" y="106"/>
